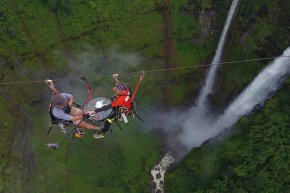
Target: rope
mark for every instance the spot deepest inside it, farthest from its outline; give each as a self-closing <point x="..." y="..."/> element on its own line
<point x="149" y="71"/>
<point x="89" y="93"/>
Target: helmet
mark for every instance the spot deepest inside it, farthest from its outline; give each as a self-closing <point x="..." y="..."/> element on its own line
<point x="122" y="86"/>
<point x="79" y="133"/>
<point x="59" y="100"/>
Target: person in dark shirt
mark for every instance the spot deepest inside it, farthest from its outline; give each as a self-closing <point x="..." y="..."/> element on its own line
<point x="62" y="109"/>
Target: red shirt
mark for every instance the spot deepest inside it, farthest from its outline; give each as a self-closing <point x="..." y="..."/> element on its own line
<point x="120" y="101"/>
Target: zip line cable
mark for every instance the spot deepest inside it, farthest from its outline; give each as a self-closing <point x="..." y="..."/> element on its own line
<point x="147" y="71"/>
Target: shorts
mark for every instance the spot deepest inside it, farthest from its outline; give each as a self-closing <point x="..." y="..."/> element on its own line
<point x="76" y="112"/>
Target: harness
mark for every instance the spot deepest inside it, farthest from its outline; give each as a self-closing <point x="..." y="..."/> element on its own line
<point x="122" y="113"/>
<point x="65" y="125"/>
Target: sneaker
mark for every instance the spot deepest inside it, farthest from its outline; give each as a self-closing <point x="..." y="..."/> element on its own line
<point x="98" y="136"/>
<point x="110" y="120"/>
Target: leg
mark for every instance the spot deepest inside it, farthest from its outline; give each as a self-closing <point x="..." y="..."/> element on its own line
<point x="106" y="127"/>
<point x="87" y="125"/>
<point x="76" y="111"/>
<point x="107" y="123"/>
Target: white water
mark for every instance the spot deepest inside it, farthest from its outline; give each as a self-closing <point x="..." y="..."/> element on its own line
<point x="198" y="125"/>
<point x="208" y="87"/>
<point x="203" y="126"/>
<point x="189" y="129"/>
<point x="200" y="120"/>
<point x="261" y="89"/>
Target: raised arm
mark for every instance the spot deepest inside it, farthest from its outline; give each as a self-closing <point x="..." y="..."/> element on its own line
<point x="70" y="101"/>
<point x="141" y="77"/>
<point x="115" y="76"/>
<point x="51" y="86"/>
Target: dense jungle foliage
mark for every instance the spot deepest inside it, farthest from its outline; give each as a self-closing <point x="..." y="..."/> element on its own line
<point x="55" y="39"/>
<point x="255" y="158"/>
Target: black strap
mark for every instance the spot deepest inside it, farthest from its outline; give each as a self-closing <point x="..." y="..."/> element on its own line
<point x="104" y="108"/>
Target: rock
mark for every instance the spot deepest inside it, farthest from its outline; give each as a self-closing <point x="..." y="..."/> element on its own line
<point x="158" y="173"/>
<point x="206" y="20"/>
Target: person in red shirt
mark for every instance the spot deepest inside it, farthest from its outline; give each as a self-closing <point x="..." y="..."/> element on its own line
<point x="122" y="96"/>
<point x="122" y="100"/>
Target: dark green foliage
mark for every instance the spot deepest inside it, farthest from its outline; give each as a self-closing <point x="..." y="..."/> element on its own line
<point x="58" y="5"/>
<point x="253" y="160"/>
<point x="261" y="163"/>
<point x="259" y="30"/>
<point x="43" y="39"/>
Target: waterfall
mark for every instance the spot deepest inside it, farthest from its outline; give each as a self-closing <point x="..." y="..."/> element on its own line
<point x="189" y="128"/>
<point x="198" y="124"/>
<point x="198" y="117"/>
<point x="209" y="81"/>
<point x="261" y="89"/>
<point x="201" y="127"/>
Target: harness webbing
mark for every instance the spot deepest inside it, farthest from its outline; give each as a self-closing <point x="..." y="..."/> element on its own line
<point x="89" y="93"/>
<point x="135" y="91"/>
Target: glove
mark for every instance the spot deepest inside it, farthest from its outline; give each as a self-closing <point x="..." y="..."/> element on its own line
<point x="115" y="76"/>
<point x="49" y="83"/>
<point x="67" y="109"/>
<point x="142" y="74"/>
<point x="91" y="113"/>
<point x="86" y="116"/>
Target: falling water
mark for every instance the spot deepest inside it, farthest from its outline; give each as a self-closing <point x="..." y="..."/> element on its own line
<point x="261" y="89"/>
<point x="198" y="125"/>
<point x="200" y="102"/>
<point x="203" y="126"/>
<point x="209" y="81"/>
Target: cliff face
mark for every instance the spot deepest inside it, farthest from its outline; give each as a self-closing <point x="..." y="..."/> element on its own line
<point x="210" y="17"/>
<point x="258" y="31"/>
<point x="207" y="25"/>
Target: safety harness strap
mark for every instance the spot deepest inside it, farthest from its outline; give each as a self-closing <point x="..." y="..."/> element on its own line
<point x="89" y="92"/>
<point x="135" y="91"/>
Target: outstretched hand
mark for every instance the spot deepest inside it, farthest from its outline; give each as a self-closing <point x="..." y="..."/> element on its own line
<point x="49" y="83"/>
<point x="86" y="116"/>
<point x="91" y="112"/>
<point x="142" y="74"/>
<point x="115" y="76"/>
